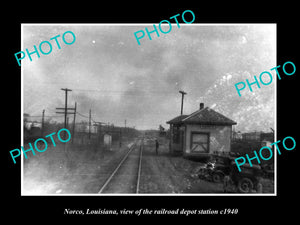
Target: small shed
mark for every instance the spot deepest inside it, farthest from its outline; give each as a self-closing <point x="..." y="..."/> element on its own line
<point x="201" y="133"/>
<point x="107" y="141"/>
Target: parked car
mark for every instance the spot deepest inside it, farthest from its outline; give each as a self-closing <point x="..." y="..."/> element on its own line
<point x="221" y="166"/>
<point x="248" y="179"/>
<point x="216" y="169"/>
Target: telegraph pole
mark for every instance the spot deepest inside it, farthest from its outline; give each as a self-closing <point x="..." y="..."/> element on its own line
<point x="66" y="114"/>
<point x="43" y="126"/>
<point x="120" y="138"/>
<point x="66" y="103"/>
<point x="90" y="117"/>
<point x="66" y="107"/>
<point x="125" y="127"/>
<point x="99" y="128"/>
<point x="182" y="96"/>
<point x="74" y="121"/>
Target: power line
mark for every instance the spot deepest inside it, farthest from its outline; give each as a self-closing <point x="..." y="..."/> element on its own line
<point x="45" y="116"/>
<point x="82" y="115"/>
<point x="126" y="92"/>
<point x="66" y="106"/>
<point x="86" y="117"/>
<point x="73" y="131"/>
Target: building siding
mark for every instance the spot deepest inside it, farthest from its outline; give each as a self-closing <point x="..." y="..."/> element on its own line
<point x="219" y="137"/>
<point x="177" y="146"/>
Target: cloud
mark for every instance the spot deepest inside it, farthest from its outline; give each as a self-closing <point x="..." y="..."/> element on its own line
<point x="110" y="73"/>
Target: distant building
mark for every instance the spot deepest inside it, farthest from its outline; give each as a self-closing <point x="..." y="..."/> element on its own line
<point x="251" y="136"/>
<point x="83" y="127"/>
<point x="107" y="141"/>
<point x="29" y="125"/>
<point x="26" y="116"/>
<point x="258" y="136"/>
<point x="162" y="131"/>
<point x="269" y="137"/>
<point x="237" y="135"/>
<point x="201" y="133"/>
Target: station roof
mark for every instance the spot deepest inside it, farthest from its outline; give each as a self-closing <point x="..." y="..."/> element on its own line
<point x="177" y="120"/>
<point x="207" y="116"/>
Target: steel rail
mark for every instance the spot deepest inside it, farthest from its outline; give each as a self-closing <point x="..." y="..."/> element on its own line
<point x="118" y="167"/>
<point x="140" y="168"/>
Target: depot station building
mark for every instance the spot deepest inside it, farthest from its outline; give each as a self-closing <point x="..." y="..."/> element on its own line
<point x="200" y="134"/>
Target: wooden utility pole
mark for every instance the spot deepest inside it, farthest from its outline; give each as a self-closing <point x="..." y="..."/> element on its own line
<point x="120" y="138"/>
<point x="67" y="121"/>
<point x="66" y="103"/>
<point x="43" y="126"/>
<point x="66" y="115"/>
<point x="99" y="127"/>
<point x="74" y="122"/>
<point x="90" y="117"/>
<point x="66" y="107"/>
<point x="182" y="96"/>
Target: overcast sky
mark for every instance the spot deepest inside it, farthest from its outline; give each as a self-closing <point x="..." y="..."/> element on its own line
<point x="118" y="79"/>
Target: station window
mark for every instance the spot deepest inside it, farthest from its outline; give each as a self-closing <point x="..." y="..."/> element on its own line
<point x="199" y="142"/>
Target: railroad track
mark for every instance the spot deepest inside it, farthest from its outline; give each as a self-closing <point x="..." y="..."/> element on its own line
<point x="125" y="178"/>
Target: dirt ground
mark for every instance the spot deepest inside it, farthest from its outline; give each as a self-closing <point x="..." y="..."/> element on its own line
<point x="164" y="173"/>
<point x="81" y="172"/>
<point x="87" y="167"/>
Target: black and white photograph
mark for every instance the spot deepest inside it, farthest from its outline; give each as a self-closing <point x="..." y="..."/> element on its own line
<point x="149" y="112"/>
<point x="131" y="109"/>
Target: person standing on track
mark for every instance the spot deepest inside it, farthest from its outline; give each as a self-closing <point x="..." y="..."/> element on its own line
<point x="156" y="146"/>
